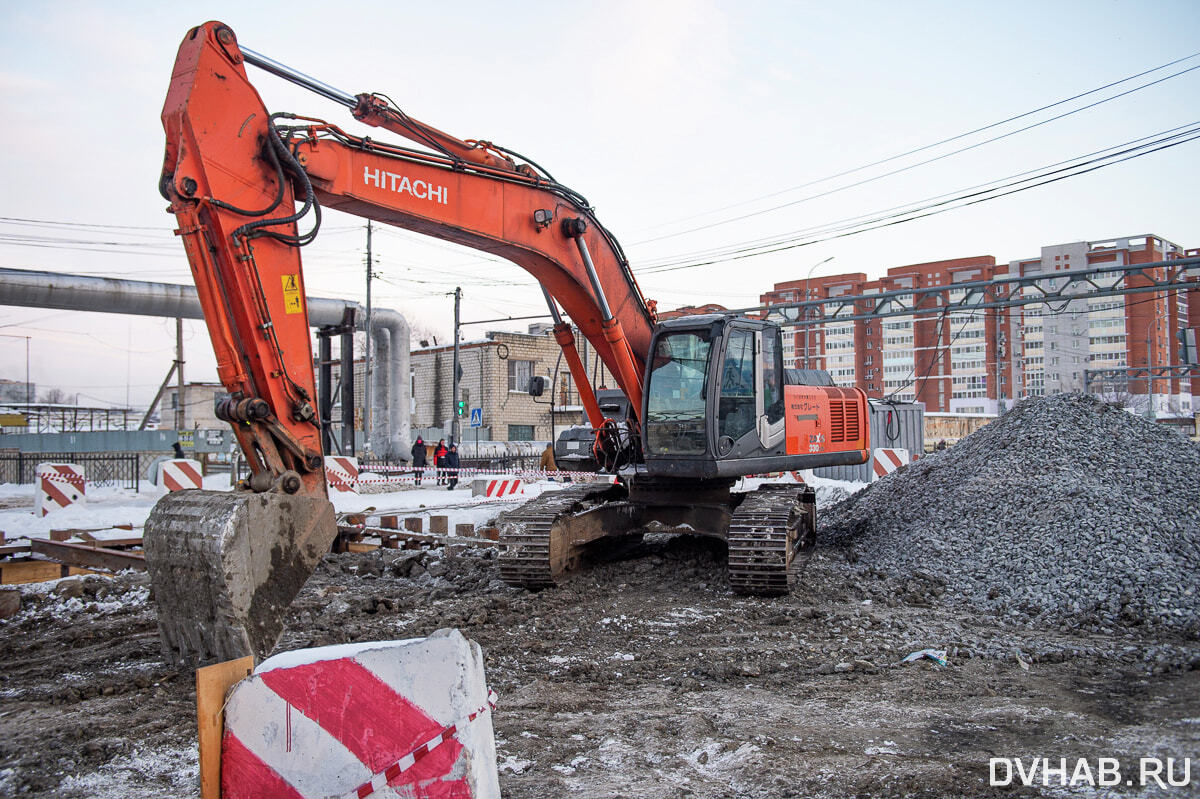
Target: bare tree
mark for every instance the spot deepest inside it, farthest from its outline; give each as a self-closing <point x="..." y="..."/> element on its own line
<point x="54" y="396"/>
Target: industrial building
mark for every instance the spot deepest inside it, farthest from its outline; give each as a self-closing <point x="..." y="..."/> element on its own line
<point x="495" y="380"/>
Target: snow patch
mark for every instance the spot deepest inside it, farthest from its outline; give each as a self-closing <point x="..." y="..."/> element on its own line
<point x="514" y="764"/>
<point x="176" y="768"/>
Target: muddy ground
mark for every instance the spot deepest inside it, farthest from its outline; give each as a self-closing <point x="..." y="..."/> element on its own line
<point x="642" y="677"/>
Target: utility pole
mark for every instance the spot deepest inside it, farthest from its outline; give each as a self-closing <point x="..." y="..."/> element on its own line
<point x="455" y="420"/>
<point x="180" y="400"/>
<point x="367" y="357"/>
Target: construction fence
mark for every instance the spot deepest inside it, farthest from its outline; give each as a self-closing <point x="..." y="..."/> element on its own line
<point x="102" y="469"/>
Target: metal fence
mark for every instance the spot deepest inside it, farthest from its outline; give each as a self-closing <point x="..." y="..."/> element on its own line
<point x="102" y="469"/>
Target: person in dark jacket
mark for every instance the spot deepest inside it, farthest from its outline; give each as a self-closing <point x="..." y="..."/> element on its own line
<point x="178" y="450"/>
<point x="439" y="461"/>
<point x="418" y="458"/>
<point x="452" y="466"/>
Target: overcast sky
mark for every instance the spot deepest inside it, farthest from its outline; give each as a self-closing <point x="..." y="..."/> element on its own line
<point x="683" y="123"/>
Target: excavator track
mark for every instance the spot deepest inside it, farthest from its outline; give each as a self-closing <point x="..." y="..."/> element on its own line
<point x="771" y="534"/>
<point x="542" y="540"/>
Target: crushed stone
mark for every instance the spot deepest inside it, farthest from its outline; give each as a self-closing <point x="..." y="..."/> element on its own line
<point x="1065" y="511"/>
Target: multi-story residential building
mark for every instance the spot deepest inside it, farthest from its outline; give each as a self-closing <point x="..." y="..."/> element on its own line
<point x="948" y="361"/>
<point x="981" y="361"/>
<point x="1061" y="341"/>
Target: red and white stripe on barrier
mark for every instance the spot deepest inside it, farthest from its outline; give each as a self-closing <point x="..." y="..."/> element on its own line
<point x="501" y="488"/>
<point x="393" y="718"/>
<point x="392" y="773"/>
<point x="60" y="485"/>
<point x="341" y="473"/>
<point x="180" y="473"/>
<point x="884" y="461"/>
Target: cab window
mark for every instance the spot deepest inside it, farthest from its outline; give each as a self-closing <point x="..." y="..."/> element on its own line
<point x="736" y="407"/>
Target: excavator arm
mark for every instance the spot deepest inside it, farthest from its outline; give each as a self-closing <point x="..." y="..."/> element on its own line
<point x="226" y="154"/>
<point x="246" y="188"/>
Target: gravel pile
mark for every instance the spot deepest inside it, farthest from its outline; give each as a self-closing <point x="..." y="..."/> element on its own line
<point x="1065" y="511"/>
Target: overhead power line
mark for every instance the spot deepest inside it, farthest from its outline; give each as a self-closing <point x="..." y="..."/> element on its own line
<point x="839" y="224"/>
<point x="925" y="147"/>
<point x="826" y="227"/>
<point x="964" y="198"/>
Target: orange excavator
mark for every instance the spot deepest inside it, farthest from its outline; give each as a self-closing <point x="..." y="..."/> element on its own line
<point x="710" y="399"/>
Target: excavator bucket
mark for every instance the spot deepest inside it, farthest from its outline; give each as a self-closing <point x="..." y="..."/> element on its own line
<point x="225" y="566"/>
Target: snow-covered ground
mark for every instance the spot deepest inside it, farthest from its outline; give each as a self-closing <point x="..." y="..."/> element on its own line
<point x="107" y="507"/>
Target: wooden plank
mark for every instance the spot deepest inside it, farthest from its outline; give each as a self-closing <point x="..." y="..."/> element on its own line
<point x="30" y="571"/>
<point x="87" y="556"/>
<point x="213" y="684"/>
<point x="14" y="549"/>
<point x="357" y="546"/>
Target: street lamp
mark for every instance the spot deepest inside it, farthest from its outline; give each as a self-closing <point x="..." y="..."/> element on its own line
<point x="1151" y="327"/>
<point x="808" y="311"/>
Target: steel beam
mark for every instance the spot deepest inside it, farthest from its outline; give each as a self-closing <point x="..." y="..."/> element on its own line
<point x="87" y="556"/>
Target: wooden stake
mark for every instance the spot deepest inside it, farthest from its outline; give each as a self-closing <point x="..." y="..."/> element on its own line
<point x="213" y="684"/>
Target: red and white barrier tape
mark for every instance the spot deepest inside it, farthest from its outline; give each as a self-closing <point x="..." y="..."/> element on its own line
<point x="429" y="473"/>
<point x="380" y="780"/>
<point x="75" y="480"/>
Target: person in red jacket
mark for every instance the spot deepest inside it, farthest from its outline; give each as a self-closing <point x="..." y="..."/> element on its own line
<point x="452" y="464"/>
<point x="439" y="461"/>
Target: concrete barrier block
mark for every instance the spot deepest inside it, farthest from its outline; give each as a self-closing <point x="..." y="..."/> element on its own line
<point x="439" y="525"/>
<point x="60" y="485"/>
<point x="464" y="529"/>
<point x="389" y="521"/>
<point x="351" y="719"/>
<point x="178" y="474"/>
<point x="341" y="473"/>
<point x="414" y="524"/>
<point x="496" y="487"/>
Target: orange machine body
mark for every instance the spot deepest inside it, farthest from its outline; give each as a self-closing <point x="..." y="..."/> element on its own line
<point x="820" y="420"/>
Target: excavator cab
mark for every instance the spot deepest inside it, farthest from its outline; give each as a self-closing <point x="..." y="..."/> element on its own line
<point x="714" y="402"/>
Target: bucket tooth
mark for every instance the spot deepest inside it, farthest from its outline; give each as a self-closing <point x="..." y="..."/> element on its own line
<point x="226" y="566"/>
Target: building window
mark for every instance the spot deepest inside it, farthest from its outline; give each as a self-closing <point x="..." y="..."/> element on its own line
<point x="519" y="373"/>
<point x="520" y="432"/>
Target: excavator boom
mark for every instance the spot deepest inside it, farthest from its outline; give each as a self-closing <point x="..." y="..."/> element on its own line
<point x="708" y="397"/>
<point x="241" y="183"/>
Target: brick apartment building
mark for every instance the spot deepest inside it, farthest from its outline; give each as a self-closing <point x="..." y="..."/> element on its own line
<point x="495" y="378"/>
<point x="980" y="362"/>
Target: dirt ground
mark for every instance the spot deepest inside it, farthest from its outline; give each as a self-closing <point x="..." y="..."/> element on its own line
<point x="642" y="677"/>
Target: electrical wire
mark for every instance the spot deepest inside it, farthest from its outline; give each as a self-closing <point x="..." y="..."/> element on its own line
<point x="835" y="225"/>
<point x="936" y="144"/>
<point x="935" y="208"/>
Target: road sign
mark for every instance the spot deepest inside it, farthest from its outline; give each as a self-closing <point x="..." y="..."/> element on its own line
<point x="477" y="417"/>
